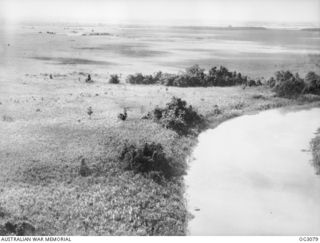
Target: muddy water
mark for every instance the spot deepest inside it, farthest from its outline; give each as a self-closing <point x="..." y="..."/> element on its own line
<point x="252" y="176"/>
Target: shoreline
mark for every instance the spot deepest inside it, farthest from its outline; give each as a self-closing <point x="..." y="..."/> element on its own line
<point x="249" y="111"/>
<point x="192" y="207"/>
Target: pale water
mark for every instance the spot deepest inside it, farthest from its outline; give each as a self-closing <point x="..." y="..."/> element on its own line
<point x="252" y="176"/>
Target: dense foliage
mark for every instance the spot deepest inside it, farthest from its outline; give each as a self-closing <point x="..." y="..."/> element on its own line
<point x="145" y="158"/>
<point x="289" y="85"/>
<point x="178" y="116"/>
<point x="193" y="76"/>
<point x="312" y="81"/>
<point x="114" y="79"/>
<point x="139" y="78"/>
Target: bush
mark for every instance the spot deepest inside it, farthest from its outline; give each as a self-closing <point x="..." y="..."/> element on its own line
<point x="288" y="85"/>
<point x="271" y="82"/>
<point x="312" y="81"/>
<point x="146" y="158"/>
<point x="139" y="78"/>
<point x="114" y="79"/>
<point x="223" y="77"/>
<point x="178" y="116"/>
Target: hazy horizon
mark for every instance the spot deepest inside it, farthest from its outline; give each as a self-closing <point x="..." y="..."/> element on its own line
<point x="272" y="13"/>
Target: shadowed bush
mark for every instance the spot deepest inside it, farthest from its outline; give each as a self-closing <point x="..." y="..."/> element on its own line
<point x="223" y="77"/>
<point x="312" y="81"/>
<point x="288" y="85"/>
<point x="114" y="79"/>
<point x="178" y="116"/>
<point x="149" y="157"/>
<point x="139" y="78"/>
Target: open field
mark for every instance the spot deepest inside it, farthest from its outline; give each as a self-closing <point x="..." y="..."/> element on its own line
<point x="45" y="129"/>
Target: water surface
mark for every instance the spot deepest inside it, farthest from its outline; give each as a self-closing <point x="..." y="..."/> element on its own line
<point x="251" y="176"/>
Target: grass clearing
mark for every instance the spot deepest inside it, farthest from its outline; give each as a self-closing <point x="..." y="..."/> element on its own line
<point x="40" y="156"/>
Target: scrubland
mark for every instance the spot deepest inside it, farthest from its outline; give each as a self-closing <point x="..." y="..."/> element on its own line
<point x="49" y="132"/>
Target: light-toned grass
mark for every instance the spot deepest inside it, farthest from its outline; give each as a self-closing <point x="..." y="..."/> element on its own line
<point x="40" y="154"/>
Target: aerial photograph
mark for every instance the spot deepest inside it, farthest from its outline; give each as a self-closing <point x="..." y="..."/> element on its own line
<point x="159" y="118"/>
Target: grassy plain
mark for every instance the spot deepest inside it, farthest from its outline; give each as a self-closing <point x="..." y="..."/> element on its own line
<point x="45" y="129"/>
<point x="49" y="131"/>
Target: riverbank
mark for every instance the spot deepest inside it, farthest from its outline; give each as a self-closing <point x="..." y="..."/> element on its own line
<point x="48" y="131"/>
<point x="244" y="172"/>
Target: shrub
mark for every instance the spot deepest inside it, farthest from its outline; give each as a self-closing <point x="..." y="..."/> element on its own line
<point x="135" y="78"/>
<point x="114" y="79"/>
<point x="312" y="81"/>
<point x="178" y="116"/>
<point x="251" y="83"/>
<point x="271" y="82"/>
<point x="139" y="78"/>
<point x="288" y="85"/>
<point x="146" y="158"/>
<point x="223" y="77"/>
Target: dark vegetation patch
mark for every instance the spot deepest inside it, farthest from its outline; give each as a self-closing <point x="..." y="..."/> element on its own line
<point x="147" y="158"/>
<point x="177" y="116"/>
<point x="20" y="229"/>
<point x="7" y="118"/>
<point x="289" y="85"/>
<point x="193" y="76"/>
<point x="114" y="79"/>
<point x="259" y="97"/>
<point x="312" y="83"/>
<point x="71" y="61"/>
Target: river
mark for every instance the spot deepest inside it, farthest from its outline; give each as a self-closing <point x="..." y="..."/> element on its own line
<point x="252" y="175"/>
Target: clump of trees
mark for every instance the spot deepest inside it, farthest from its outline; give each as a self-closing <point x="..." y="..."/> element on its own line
<point x="194" y="76"/>
<point x="223" y="77"/>
<point x="139" y="78"/>
<point x="289" y="85"/>
<point x="178" y="116"/>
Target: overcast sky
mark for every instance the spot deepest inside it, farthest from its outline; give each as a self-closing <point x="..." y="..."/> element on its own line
<point x="198" y="12"/>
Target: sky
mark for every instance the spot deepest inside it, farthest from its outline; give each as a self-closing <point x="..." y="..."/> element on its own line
<point x="189" y="12"/>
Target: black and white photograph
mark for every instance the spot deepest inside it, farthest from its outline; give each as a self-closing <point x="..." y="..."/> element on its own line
<point x="159" y="118"/>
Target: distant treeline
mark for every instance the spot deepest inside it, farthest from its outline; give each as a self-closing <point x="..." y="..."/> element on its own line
<point x="193" y="76"/>
<point x="284" y="83"/>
